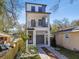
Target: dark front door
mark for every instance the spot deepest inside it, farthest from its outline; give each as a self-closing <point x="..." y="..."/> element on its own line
<point x="39" y="39"/>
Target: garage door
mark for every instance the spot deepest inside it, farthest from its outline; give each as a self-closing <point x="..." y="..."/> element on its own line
<point x="39" y="39"/>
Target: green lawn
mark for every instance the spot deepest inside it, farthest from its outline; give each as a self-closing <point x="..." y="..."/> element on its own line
<point x="70" y="54"/>
<point x="34" y="57"/>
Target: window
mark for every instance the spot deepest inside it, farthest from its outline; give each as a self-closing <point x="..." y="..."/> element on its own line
<point x="43" y="8"/>
<point x="33" y="23"/>
<point x="40" y="22"/>
<point x="43" y="21"/>
<point x="40" y="9"/>
<point x="33" y="8"/>
<point x="66" y="35"/>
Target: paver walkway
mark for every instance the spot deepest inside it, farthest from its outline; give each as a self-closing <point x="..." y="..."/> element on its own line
<point x="43" y="55"/>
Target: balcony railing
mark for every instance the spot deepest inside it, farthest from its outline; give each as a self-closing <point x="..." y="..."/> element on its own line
<point x="42" y="25"/>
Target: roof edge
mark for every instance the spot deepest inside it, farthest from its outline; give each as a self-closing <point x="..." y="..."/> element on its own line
<point x="36" y="3"/>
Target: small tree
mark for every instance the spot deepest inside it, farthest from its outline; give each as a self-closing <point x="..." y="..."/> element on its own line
<point x="25" y="37"/>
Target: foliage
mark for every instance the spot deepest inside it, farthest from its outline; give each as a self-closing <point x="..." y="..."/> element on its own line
<point x="1" y="6"/>
<point x="24" y="36"/>
<point x="34" y="57"/>
<point x="75" y="23"/>
<point x="54" y="28"/>
<point x="32" y="49"/>
<point x="6" y="20"/>
<point x="0" y="49"/>
<point x="60" y="25"/>
<point x="1" y="25"/>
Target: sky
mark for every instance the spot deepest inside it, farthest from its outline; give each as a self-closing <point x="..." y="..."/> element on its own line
<point x="65" y="10"/>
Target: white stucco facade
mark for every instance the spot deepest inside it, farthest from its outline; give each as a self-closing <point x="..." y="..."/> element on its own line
<point x="38" y="34"/>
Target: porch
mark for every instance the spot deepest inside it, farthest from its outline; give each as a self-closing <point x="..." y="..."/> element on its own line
<point x="38" y="37"/>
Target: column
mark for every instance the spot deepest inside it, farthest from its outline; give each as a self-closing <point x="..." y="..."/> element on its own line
<point x="48" y="31"/>
<point x="34" y="38"/>
<point x="27" y="42"/>
<point x="48" y="38"/>
<point x="36" y="23"/>
<point x="45" y="39"/>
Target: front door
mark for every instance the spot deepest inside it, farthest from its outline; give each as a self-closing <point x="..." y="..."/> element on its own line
<point x="39" y="39"/>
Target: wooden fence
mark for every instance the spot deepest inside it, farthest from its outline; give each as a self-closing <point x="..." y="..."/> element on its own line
<point x="10" y="54"/>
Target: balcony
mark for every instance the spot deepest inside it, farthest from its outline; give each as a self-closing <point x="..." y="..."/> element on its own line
<point x="39" y="23"/>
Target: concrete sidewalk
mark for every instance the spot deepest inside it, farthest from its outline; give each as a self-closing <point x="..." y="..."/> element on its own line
<point x="43" y="55"/>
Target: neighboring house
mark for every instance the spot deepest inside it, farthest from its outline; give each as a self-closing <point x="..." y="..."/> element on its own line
<point x="37" y="20"/>
<point x="68" y="38"/>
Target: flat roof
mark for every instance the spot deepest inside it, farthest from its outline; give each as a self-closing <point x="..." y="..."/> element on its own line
<point x="36" y="3"/>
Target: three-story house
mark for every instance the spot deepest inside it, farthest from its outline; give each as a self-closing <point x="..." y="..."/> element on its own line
<point x="38" y="25"/>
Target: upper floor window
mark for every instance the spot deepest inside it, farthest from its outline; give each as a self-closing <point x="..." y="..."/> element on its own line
<point x="43" y="8"/>
<point x="33" y="8"/>
<point x="40" y="9"/>
<point x="33" y="23"/>
<point x="42" y="22"/>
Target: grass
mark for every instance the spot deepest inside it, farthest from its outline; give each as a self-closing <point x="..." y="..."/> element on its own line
<point x="34" y="57"/>
<point x="33" y="49"/>
<point x="34" y="52"/>
<point x="68" y="53"/>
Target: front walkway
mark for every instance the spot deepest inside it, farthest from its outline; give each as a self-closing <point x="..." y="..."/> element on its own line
<point x="43" y="55"/>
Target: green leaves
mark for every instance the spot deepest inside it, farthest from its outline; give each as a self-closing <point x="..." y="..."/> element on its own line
<point x="24" y="36"/>
<point x="1" y="6"/>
